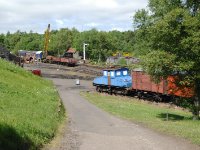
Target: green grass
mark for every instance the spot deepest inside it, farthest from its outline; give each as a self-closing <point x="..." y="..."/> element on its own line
<point x="180" y="122"/>
<point x="30" y="109"/>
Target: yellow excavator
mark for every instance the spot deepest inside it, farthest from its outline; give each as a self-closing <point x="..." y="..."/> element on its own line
<point x="46" y="42"/>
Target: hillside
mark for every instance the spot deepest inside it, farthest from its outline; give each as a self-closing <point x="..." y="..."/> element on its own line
<point x="30" y="109"/>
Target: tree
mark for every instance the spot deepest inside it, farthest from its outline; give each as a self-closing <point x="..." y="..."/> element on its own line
<point x="12" y="39"/>
<point x="174" y="39"/>
<point x="60" y="41"/>
<point x="2" y="39"/>
<point x="142" y="22"/>
<point x="193" y="6"/>
<point x="28" y="41"/>
<point x="159" y="8"/>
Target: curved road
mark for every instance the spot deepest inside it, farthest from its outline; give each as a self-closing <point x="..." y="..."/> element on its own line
<point x="94" y="129"/>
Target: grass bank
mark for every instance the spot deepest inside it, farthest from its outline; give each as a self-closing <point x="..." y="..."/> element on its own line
<point x="180" y="123"/>
<point x="30" y="109"/>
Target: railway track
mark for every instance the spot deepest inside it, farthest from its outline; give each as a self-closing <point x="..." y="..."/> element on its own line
<point x="81" y="72"/>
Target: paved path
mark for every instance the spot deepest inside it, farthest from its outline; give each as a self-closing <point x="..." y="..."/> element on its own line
<point x="94" y="129"/>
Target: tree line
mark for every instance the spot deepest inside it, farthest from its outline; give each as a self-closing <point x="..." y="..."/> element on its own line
<point x="101" y="44"/>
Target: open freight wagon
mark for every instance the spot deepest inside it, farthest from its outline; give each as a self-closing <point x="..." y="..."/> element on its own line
<point x="142" y="84"/>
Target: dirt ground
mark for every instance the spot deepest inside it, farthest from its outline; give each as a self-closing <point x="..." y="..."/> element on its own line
<point x="90" y="128"/>
<point x="81" y="72"/>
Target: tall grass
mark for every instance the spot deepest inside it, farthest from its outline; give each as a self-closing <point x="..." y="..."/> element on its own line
<point x="179" y="122"/>
<point x="30" y="109"/>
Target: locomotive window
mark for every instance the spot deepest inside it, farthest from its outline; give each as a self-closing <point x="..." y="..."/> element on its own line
<point x="105" y="73"/>
<point x="112" y="74"/>
<point x="125" y="73"/>
<point x="118" y="73"/>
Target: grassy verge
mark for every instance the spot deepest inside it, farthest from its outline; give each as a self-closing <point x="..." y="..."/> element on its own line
<point x="30" y="109"/>
<point x="180" y="122"/>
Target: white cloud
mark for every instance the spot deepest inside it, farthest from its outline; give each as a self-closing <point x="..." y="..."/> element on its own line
<point x="102" y="4"/>
<point x="35" y="15"/>
<point x="92" y="24"/>
<point x="118" y="29"/>
<point x="59" y="22"/>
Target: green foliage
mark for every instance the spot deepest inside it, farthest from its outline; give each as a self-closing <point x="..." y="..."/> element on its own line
<point x="174" y="29"/>
<point x="29" y="108"/>
<point x="2" y="39"/>
<point x="141" y="19"/>
<point x="160" y="8"/>
<point x="158" y="64"/>
<point x="23" y="41"/>
<point x="60" y="41"/>
<point x="193" y="6"/>
<point x="180" y="122"/>
<point x="122" y="62"/>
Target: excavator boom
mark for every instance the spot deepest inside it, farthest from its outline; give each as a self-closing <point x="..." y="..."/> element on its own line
<point x="46" y="43"/>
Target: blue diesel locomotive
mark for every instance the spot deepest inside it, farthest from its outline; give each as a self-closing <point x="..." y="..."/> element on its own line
<point x="114" y="81"/>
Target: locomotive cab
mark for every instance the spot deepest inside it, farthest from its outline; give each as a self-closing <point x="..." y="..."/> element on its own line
<point x="116" y="73"/>
<point x="113" y="80"/>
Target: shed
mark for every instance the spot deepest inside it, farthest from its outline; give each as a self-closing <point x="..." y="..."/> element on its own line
<point x="39" y="55"/>
<point x="71" y="53"/>
<point x="71" y="50"/>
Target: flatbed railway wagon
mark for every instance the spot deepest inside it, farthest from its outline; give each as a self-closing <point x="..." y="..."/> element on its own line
<point x="61" y="60"/>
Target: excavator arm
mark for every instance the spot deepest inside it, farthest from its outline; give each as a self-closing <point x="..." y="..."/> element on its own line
<point x="46" y="42"/>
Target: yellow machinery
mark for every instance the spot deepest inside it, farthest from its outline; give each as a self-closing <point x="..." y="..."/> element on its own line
<point x="46" y="42"/>
<point x="124" y="54"/>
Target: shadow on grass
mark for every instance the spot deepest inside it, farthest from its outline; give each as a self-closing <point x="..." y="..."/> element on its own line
<point x="172" y="117"/>
<point x="11" y="140"/>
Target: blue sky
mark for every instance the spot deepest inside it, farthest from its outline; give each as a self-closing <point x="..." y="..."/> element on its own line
<point x="35" y="15"/>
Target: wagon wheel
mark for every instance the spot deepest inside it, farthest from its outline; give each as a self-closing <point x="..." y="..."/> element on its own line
<point x="124" y="92"/>
<point x="99" y="89"/>
<point x="114" y="91"/>
<point x="110" y="91"/>
<point x="157" y="97"/>
<point x="139" y="94"/>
